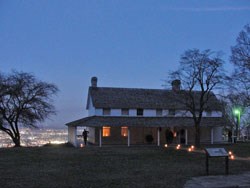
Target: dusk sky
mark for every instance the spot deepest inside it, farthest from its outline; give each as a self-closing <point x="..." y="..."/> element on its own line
<point x="129" y="43"/>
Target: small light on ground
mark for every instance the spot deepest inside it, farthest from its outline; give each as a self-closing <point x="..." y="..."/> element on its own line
<point x="178" y="146"/>
<point x="232" y="157"/>
<point x="189" y="149"/>
<point x="81" y="145"/>
<point x="165" y="145"/>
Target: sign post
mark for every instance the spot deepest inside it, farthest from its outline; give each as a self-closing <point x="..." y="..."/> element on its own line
<point x="216" y="152"/>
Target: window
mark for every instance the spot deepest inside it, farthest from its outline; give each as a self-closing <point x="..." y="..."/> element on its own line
<point x="158" y="112"/>
<point x="171" y="112"/>
<point x="139" y="112"/>
<point x="105" y="131"/>
<point x="125" y="112"/>
<point x="106" y="111"/>
<point x="124" y="131"/>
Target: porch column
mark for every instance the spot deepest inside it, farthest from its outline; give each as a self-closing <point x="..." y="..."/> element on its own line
<point x="72" y="131"/>
<point x="186" y="137"/>
<point x="212" y="135"/>
<point x="128" y="136"/>
<point x="158" y="137"/>
<point x="100" y="137"/>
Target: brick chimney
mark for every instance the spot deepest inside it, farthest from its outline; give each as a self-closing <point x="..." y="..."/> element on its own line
<point x="94" y="81"/>
<point x="176" y="85"/>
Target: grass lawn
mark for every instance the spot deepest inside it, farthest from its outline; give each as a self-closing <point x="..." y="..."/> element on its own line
<point x="117" y="166"/>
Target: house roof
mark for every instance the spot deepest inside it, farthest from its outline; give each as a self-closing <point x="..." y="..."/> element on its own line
<point x="117" y="98"/>
<point x="99" y="121"/>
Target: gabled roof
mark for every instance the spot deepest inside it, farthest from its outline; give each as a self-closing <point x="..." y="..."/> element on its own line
<point x="117" y="98"/>
<point x="99" y="121"/>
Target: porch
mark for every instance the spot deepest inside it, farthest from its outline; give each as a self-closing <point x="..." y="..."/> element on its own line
<point x="144" y="130"/>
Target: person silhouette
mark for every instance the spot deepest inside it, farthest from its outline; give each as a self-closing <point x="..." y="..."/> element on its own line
<point x="85" y="136"/>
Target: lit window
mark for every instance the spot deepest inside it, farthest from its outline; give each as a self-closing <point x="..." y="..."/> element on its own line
<point x="106" y="111"/>
<point x="125" y="111"/>
<point x="171" y="112"/>
<point x="106" y="131"/>
<point x="124" y="131"/>
<point x="158" y="112"/>
<point x="139" y="112"/>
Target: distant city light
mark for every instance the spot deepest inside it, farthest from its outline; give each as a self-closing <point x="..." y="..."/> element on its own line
<point x="36" y="137"/>
<point x="57" y="142"/>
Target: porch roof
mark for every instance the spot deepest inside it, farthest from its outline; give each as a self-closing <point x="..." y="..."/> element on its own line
<point x="99" y="121"/>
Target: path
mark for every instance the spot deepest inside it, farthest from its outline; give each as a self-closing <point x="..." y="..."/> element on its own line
<point x="230" y="181"/>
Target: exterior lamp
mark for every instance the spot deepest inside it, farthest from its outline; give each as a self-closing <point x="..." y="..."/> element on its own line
<point x="237" y="113"/>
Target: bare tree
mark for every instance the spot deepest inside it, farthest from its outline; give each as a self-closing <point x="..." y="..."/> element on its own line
<point x="24" y="101"/>
<point x="200" y="72"/>
<point x="241" y="59"/>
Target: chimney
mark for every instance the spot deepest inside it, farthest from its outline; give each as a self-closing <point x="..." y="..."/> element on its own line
<point x="176" y="85"/>
<point x="94" y="81"/>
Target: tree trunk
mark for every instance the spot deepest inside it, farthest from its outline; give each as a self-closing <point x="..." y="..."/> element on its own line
<point x="17" y="142"/>
<point x="197" y="136"/>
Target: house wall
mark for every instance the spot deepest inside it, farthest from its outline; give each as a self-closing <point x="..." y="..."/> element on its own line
<point x="114" y="138"/>
<point x="132" y="112"/>
<point x="115" y="112"/>
<point x="218" y="134"/>
<point x="91" y="135"/>
<point x="91" y="108"/>
<point x="138" y="135"/>
<point x="216" y="114"/>
<point x="148" y="112"/>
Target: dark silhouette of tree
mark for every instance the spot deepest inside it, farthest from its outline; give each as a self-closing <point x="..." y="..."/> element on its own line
<point x="24" y="101"/>
<point x="241" y="60"/>
<point x="200" y="72"/>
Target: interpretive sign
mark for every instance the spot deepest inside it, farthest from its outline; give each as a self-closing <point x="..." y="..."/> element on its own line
<point x="216" y="152"/>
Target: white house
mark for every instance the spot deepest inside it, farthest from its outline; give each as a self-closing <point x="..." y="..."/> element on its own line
<point x="138" y="116"/>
